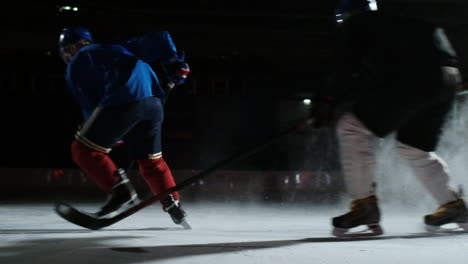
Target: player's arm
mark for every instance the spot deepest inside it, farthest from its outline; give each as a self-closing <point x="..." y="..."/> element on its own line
<point x="152" y="47"/>
<point x="159" y="47"/>
<point x="338" y="87"/>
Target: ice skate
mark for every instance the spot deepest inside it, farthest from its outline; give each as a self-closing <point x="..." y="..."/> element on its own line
<point x="174" y="209"/>
<point x="363" y="212"/>
<point x="123" y="195"/>
<point x="450" y="213"/>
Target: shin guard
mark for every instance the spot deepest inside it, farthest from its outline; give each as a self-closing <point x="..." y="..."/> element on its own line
<point x="157" y="175"/>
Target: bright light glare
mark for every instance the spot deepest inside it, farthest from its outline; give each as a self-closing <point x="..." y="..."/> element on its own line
<point x="373" y="5"/>
<point x="298" y="179"/>
<point x="306" y="101"/>
<point x="68" y="8"/>
<point x="339" y="18"/>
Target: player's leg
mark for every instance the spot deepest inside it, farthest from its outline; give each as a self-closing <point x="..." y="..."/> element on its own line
<point x="358" y="164"/>
<point x="417" y="141"/>
<point x="373" y="115"/>
<point x="145" y="144"/>
<point x="90" y="152"/>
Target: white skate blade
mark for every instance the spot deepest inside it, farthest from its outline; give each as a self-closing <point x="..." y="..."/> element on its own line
<point x="448" y="228"/>
<point x="186" y="225"/>
<point x="372" y="230"/>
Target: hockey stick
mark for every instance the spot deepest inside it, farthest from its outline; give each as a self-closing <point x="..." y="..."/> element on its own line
<point x="91" y="221"/>
<point x="170" y="86"/>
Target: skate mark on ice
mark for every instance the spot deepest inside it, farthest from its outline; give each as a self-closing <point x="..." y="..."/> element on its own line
<point x="383" y="237"/>
<point x="212" y="248"/>
<point x="201" y="249"/>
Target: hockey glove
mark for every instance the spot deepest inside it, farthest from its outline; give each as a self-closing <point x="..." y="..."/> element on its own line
<point x="323" y="112"/>
<point x="177" y="69"/>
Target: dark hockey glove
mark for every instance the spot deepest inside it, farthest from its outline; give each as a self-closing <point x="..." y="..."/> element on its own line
<point x="177" y="69"/>
<point x="323" y="112"/>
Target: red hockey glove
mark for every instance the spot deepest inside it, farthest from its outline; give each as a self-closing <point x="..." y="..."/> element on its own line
<point x="177" y="69"/>
<point x="183" y="70"/>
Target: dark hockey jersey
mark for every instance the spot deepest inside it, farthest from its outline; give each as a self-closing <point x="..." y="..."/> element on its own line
<point x="384" y="54"/>
<point x="110" y="74"/>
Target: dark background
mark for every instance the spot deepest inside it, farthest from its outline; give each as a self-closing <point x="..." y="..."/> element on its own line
<point x="253" y="62"/>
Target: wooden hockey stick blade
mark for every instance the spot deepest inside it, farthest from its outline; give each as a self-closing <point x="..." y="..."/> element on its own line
<point x="73" y="215"/>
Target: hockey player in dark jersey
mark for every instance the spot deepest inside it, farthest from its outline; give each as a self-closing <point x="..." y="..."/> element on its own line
<point x="394" y="74"/>
<point x="121" y="99"/>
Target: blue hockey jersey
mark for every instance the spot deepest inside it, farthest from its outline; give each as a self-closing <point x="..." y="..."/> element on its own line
<point x="114" y="74"/>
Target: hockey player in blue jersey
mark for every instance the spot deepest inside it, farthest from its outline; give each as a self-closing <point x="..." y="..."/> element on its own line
<point x="395" y="75"/>
<point x="121" y="99"/>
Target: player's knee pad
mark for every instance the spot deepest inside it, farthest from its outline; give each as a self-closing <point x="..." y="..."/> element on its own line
<point x="80" y="153"/>
<point x="97" y="165"/>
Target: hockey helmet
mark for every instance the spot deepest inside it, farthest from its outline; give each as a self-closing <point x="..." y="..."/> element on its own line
<point x="345" y="7"/>
<point x="73" y="35"/>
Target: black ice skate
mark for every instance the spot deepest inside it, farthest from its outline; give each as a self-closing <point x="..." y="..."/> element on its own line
<point x="123" y="195"/>
<point x="175" y="210"/>
<point x="450" y="213"/>
<point x="363" y="212"/>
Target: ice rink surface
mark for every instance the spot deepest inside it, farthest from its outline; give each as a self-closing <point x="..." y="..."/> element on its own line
<point x="223" y="233"/>
<point x="233" y="232"/>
